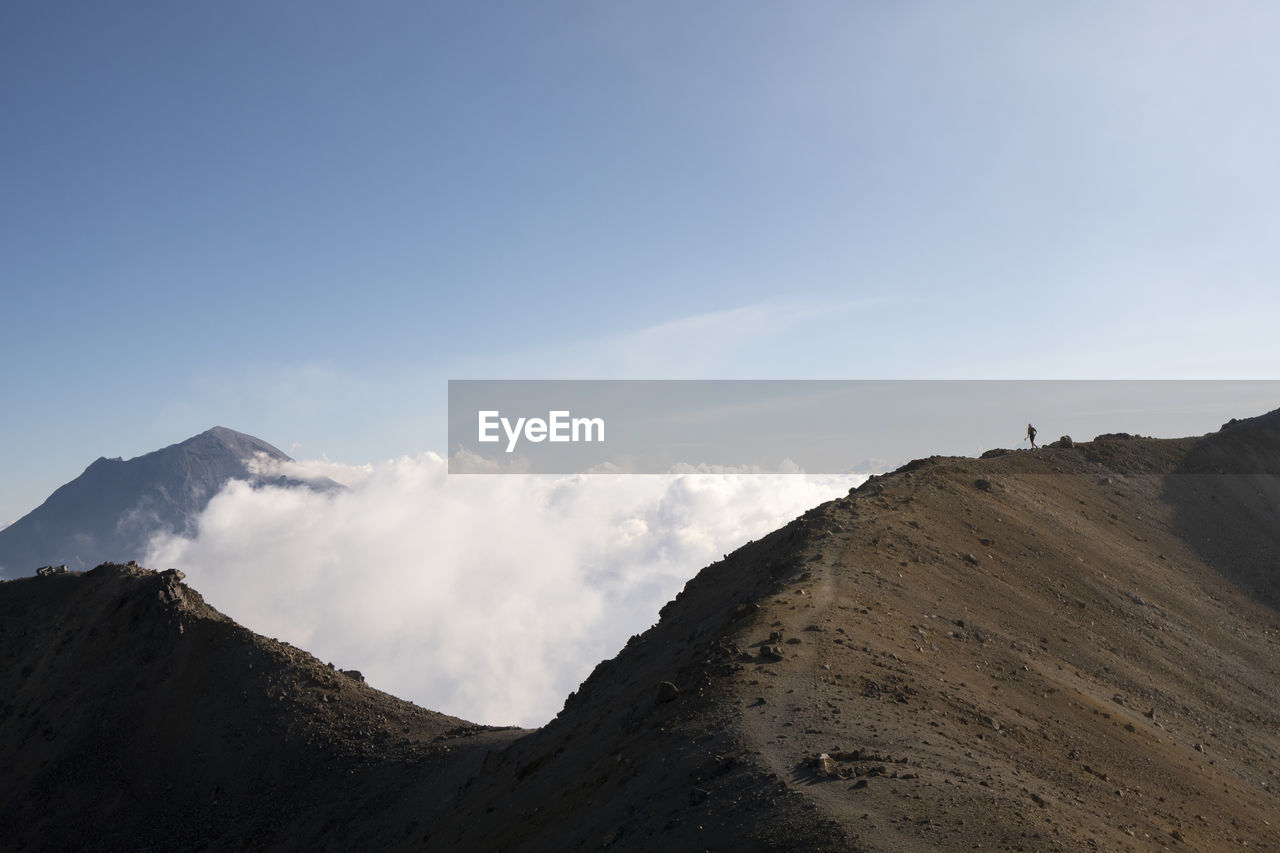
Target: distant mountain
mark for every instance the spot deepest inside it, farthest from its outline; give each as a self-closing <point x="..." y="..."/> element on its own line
<point x="111" y="511"/>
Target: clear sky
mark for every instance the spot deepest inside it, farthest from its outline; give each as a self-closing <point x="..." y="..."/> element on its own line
<point x="299" y="220"/>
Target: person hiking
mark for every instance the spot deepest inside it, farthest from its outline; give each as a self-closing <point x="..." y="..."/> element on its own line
<point x="1031" y="435"/>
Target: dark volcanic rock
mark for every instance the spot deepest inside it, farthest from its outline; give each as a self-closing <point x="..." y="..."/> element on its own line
<point x="134" y="716"/>
<point x="111" y="511"/>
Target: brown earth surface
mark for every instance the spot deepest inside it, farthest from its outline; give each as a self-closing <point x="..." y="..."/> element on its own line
<point x="1072" y="648"/>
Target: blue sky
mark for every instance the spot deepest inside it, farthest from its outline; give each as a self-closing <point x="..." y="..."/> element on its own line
<point x="300" y="219"/>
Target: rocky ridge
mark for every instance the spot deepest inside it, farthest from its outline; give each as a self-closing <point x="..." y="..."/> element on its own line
<point x="1072" y="648"/>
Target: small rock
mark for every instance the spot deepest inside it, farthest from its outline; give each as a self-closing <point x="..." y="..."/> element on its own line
<point x="824" y="766"/>
<point x="698" y="795"/>
<point x="983" y="484"/>
<point x="667" y="691"/>
<point x="969" y="558"/>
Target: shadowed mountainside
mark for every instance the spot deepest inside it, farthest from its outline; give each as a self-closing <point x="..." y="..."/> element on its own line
<point x="1072" y="648"/>
<point x="134" y="716"/>
<point x="111" y="511"/>
<point x="1227" y="502"/>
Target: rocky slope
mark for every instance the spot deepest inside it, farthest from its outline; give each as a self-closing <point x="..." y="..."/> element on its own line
<point x="1070" y="648"/>
<point x="134" y="716"/>
<point x="1074" y="648"/>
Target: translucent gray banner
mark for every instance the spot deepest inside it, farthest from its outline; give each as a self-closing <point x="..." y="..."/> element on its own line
<point x="809" y="426"/>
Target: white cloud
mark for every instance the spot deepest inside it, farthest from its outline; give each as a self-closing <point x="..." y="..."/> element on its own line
<point x="488" y="597"/>
<point x="309" y="470"/>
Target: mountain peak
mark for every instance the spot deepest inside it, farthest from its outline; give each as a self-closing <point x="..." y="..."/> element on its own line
<point x="240" y="444"/>
<point x="112" y="510"/>
<point x="221" y="433"/>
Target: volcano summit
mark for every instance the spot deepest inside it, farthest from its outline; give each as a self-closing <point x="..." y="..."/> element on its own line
<point x="111" y="511"/>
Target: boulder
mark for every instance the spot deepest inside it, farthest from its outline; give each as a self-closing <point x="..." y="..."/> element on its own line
<point x="824" y="766"/>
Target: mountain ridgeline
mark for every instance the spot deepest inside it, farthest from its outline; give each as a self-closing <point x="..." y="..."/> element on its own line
<point x="111" y="511"/>
<point x="1070" y="648"/>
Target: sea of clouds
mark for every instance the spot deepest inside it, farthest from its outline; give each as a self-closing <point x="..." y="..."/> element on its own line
<point x="486" y="597"/>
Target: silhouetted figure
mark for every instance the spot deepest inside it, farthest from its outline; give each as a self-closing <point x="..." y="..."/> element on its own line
<point x="1031" y="435"/>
